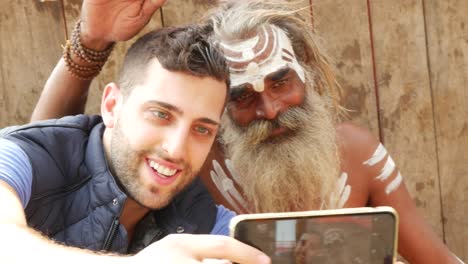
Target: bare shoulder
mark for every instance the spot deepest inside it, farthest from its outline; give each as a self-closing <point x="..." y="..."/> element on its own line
<point x="356" y="143"/>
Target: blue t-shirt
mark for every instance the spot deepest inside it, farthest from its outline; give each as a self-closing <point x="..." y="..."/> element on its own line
<point x="223" y="217"/>
<point x="16" y="171"/>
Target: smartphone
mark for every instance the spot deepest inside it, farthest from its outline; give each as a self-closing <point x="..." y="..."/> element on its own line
<point x="343" y="236"/>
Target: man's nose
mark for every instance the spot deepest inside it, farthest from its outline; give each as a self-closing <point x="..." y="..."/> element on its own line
<point x="175" y="143"/>
<point x="268" y="108"/>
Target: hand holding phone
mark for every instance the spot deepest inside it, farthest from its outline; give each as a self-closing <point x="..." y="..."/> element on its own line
<point x="354" y="235"/>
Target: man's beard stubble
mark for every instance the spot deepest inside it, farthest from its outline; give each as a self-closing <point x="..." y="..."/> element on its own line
<point x="124" y="165"/>
<point x="293" y="172"/>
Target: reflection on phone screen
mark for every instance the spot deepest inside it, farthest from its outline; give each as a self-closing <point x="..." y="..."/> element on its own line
<point x="360" y="239"/>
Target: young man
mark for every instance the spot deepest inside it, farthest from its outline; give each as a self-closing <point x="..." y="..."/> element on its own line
<point x="282" y="146"/>
<point x="123" y="182"/>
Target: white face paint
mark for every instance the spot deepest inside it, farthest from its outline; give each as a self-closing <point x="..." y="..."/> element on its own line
<point x="251" y="60"/>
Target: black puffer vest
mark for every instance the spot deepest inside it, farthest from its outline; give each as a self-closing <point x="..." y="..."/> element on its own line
<point x="75" y="199"/>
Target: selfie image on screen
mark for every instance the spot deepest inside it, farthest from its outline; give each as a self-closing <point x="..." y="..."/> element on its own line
<point x="330" y="239"/>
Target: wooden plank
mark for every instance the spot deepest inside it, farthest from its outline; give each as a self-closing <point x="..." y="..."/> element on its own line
<point x="347" y="41"/>
<point x="447" y="24"/>
<point x="31" y="34"/>
<point x="111" y="70"/>
<point x="180" y="12"/>
<point x="405" y="99"/>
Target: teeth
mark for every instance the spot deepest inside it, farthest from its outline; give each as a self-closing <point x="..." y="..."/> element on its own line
<point x="162" y="170"/>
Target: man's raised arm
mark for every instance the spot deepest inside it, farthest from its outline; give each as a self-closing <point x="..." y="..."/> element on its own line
<point x="103" y="23"/>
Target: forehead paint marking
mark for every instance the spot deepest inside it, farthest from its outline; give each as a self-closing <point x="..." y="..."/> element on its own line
<point x="252" y="68"/>
<point x="271" y="50"/>
<point x="387" y="170"/>
<point x="287" y="56"/>
<point x="393" y="185"/>
<point x="241" y="55"/>
<point x="378" y="156"/>
<point x="259" y="86"/>
<point x="286" y="59"/>
<point x="289" y="53"/>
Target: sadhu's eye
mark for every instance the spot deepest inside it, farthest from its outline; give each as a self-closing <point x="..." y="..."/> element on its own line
<point x="279" y="84"/>
<point x="244" y="96"/>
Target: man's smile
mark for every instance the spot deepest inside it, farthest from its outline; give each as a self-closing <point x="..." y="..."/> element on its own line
<point x="163" y="172"/>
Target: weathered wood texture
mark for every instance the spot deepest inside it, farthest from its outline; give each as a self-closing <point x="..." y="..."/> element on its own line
<point x="402" y="64"/>
<point x="447" y="38"/>
<point x="185" y="11"/>
<point x="347" y="41"/>
<point x="407" y="123"/>
<point x="31" y="33"/>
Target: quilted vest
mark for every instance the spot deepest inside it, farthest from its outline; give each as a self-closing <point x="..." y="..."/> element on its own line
<point x="76" y="200"/>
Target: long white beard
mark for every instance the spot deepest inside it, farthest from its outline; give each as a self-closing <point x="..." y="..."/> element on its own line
<point x="292" y="172"/>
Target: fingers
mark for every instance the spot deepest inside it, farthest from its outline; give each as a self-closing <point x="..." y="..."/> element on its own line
<point x="218" y="247"/>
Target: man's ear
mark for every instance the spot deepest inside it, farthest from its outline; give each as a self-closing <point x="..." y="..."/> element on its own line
<point x="110" y="104"/>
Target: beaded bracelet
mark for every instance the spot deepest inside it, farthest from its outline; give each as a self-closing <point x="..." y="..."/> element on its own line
<point x="95" y="59"/>
<point x="79" y="71"/>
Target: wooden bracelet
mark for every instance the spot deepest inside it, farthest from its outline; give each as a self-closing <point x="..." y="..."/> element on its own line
<point x="85" y="53"/>
<point x="79" y="71"/>
<point x="95" y="59"/>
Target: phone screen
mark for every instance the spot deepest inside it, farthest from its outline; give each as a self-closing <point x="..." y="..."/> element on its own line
<point x="335" y="239"/>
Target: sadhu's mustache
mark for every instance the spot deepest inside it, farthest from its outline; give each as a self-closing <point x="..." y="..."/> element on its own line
<point x="260" y="130"/>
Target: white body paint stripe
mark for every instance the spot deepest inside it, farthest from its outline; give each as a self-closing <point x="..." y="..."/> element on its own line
<point x="387" y="170"/>
<point x="226" y="186"/>
<point x="341" y="195"/>
<point x="344" y="196"/>
<point x="219" y="185"/>
<point x="378" y="156"/>
<point x="393" y="185"/>
<point x="342" y="182"/>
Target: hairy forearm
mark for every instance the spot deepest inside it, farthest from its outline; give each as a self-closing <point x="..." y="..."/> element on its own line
<point x="21" y="244"/>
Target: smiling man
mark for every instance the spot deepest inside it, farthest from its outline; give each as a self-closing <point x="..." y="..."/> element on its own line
<point x="77" y="188"/>
<point x="282" y="145"/>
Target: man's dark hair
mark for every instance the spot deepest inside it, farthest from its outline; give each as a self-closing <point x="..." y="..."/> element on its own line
<point x="179" y="49"/>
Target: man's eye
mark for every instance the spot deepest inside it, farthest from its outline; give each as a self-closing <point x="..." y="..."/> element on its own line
<point x="202" y="130"/>
<point x="161" y="115"/>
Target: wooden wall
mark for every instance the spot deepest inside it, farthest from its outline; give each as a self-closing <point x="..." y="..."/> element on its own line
<point x="403" y="64"/>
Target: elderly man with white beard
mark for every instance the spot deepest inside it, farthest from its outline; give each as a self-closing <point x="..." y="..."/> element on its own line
<point x="282" y="146"/>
